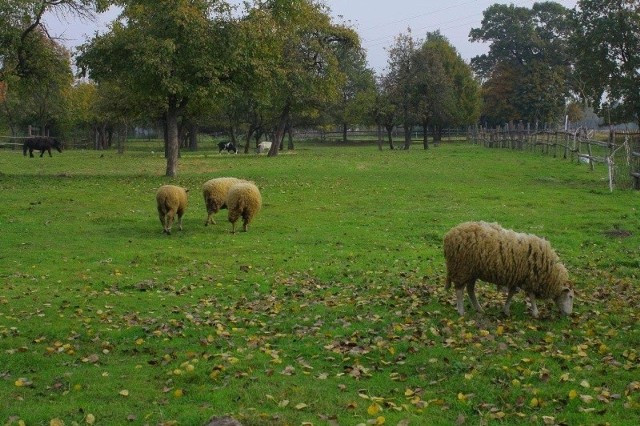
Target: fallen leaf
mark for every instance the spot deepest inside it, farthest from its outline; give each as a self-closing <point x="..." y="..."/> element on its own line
<point x="124" y="392"/>
<point x="90" y="419"/>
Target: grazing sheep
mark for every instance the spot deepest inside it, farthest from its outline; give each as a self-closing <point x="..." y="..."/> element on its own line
<point x="244" y="200"/>
<point x="172" y="201"/>
<point x="263" y="147"/>
<point x="215" y="195"/>
<point x="486" y="251"/>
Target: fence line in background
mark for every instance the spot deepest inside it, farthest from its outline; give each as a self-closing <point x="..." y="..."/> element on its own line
<point x="618" y="151"/>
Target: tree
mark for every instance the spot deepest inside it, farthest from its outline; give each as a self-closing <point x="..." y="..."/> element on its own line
<point x="356" y="89"/>
<point x="304" y="67"/>
<point x="167" y="52"/>
<point x="399" y="82"/>
<point x="21" y="22"/>
<point x="606" y="43"/>
<point x="39" y="96"/>
<point x="531" y="46"/>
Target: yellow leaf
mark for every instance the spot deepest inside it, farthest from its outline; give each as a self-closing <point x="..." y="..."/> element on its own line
<point x="573" y="394"/>
<point x="584" y="384"/>
<point x="535" y="402"/>
<point x="564" y="377"/>
<point x="374" y="409"/>
<point x="139" y="341"/>
<point x="124" y="392"/>
<point x="380" y="420"/>
<point x="408" y="392"/>
<point x="462" y="397"/>
<point x="90" y="419"/>
<point x="56" y="422"/>
<point x="178" y="393"/>
<point x="301" y="406"/>
<point x="586" y="398"/>
<point x="499" y="330"/>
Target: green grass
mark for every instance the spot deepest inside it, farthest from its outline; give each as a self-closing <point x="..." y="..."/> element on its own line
<point x="330" y="310"/>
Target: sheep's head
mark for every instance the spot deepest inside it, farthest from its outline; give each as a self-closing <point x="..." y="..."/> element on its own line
<point x="564" y="301"/>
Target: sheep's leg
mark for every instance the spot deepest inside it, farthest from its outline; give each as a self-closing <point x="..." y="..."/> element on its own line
<point x="507" y="303"/>
<point x="471" y="289"/>
<point x="460" y="300"/>
<point x="180" y="222"/>
<point x="169" y="222"/>
<point x="534" y="308"/>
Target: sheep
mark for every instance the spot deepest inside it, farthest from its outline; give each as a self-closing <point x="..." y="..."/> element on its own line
<point x="244" y="200"/>
<point x="263" y="147"/>
<point x="486" y="251"/>
<point x="172" y="201"/>
<point x="215" y="192"/>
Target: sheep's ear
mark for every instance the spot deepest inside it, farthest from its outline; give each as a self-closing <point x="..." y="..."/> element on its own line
<point x="568" y="290"/>
<point x="186" y="190"/>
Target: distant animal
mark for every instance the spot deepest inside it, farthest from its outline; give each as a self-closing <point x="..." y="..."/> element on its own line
<point x="42" y="144"/>
<point x="263" y="147"/>
<point x="227" y="146"/>
<point x="172" y="202"/>
<point x="243" y="200"/>
<point x="486" y="251"/>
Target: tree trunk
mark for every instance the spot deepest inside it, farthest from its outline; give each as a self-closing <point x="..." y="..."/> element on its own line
<point x="290" y="136"/>
<point x="437" y="134"/>
<point x="248" y="141"/>
<point x="390" y="136"/>
<point x="173" y="143"/>
<point x="425" y="136"/>
<point x="279" y="136"/>
<point x="379" y="137"/>
<point x="407" y="136"/>
<point x="344" y="132"/>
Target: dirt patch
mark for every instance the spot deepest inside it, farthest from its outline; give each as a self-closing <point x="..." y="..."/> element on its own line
<point x="618" y="233"/>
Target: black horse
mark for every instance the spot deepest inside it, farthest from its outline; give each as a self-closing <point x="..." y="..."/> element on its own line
<point x="227" y="146"/>
<point x="42" y="144"/>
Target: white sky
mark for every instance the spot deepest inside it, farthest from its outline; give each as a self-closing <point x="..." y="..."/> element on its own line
<point x="377" y="22"/>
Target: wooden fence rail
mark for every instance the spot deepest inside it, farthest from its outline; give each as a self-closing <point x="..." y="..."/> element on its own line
<point x="618" y="151"/>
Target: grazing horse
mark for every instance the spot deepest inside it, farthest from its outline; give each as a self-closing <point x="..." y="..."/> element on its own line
<point x="227" y="146"/>
<point x="42" y="144"/>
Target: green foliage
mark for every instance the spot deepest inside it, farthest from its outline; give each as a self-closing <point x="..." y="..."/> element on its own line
<point x="331" y="309"/>
<point x="606" y="42"/>
<point x="531" y="48"/>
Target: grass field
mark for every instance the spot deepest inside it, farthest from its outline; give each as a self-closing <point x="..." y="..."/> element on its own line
<point x="329" y="311"/>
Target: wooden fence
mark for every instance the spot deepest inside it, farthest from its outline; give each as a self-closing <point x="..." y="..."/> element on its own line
<point x="618" y="151"/>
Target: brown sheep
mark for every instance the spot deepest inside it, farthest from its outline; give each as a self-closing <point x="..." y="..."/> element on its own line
<point x="244" y="200"/>
<point x="215" y="192"/>
<point x="486" y="251"/>
<point x="172" y="201"/>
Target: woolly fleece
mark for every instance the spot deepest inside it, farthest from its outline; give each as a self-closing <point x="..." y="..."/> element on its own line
<point x="215" y="193"/>
<point x="486" y="251"/>
<point x="244" y="200"/>
<point x="172" y="201"/>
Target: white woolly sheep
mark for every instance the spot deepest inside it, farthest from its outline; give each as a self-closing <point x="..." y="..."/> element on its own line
<point x="244" y="200"/>
<point x="486" y="251"/>
<point x="215" y="195"/>
<point x="172" y="201"/>
<point x="263" y="147"/>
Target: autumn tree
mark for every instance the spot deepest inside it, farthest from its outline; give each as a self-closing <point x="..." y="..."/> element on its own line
<point x="607" y="42"/>
<point x="304" y="67"/>
<point x="400" y="82"/>
<point x="530" y="46"/>
<point x="167" y="52"/>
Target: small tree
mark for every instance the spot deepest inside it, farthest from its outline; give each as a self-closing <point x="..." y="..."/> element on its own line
<point x="166" y="52"/>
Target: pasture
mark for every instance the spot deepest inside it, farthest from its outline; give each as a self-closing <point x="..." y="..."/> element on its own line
<point x="329" y="311"/>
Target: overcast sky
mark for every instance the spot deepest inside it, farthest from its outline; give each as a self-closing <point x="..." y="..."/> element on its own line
<point x="377" y="22"/>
